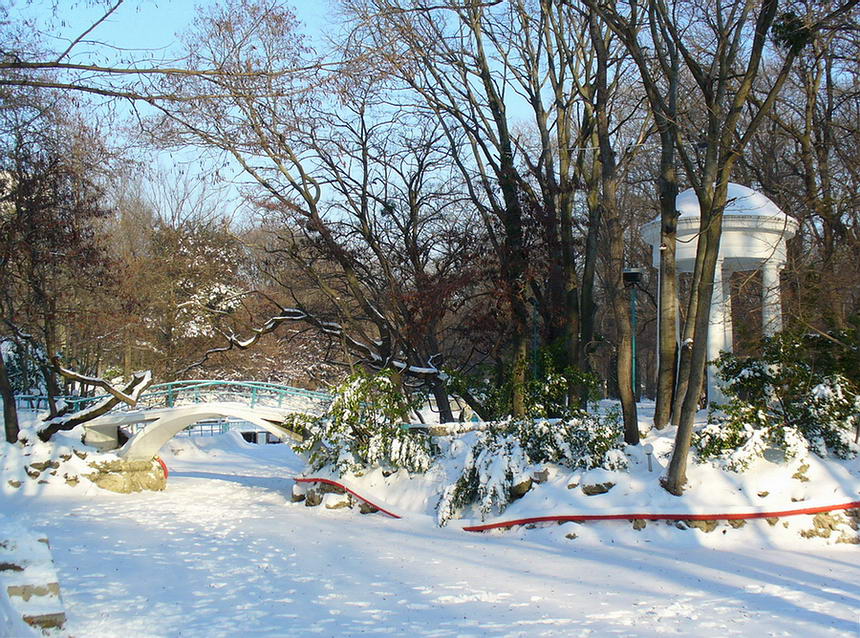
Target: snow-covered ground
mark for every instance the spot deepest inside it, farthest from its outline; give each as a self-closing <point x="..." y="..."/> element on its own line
<point x="224" y="552"/>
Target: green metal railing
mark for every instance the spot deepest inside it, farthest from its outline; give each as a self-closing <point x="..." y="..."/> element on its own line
<point x="253" y="393"/>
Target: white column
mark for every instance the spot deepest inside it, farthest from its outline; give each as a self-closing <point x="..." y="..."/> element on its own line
<point x="716" y="332"/>
<point x="771" y="300"/>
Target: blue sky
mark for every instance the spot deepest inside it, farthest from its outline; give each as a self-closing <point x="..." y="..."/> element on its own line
<point x="137" y="30"/>
<point x="149" y="24"/>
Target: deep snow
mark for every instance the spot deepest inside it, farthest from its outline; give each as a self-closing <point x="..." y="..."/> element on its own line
<point x="223" y="552"/>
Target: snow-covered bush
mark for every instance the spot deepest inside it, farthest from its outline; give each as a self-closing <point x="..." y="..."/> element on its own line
<point x="362" y="428"/>
<point x="787" y="400"/>
<point x="504" y="456"/>
<point x="495" y="464"/>
<point x="582" y="441"/>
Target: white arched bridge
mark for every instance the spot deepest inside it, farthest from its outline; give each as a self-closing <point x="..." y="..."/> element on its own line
<point x="167" y="409"/>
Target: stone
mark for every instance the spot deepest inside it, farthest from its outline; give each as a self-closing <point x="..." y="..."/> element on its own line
<point x="124" y="477"/>
<point x="33" y="474"/>
<point x="823" y="525"/>
<point x="41" y="467"/>
<point x="14" y="483"/>
<point x="298" y="494"/>
<point x="366" y="508"/>
<point x="541" y="477"/>
<point x="28" y="591"/>
<point x="763" y="494"/>
<point x="572" y="486"/>
<point x="737" y="524"/>
<point x="570" y="536"/>
<point x="46" y="621"/>
<point x="639" y="524"/>
<point x="10" y="567"/>
<point x="800" y="475"/>
<point x="772" y="520"/>
<point x="333" y="501"/>
<point x="313" y="498"/>
<point x="72" y="480"/>
<point x="705" y="526"/>
<point x="81" y="455"/>
<point x="520" y="489"/>
<point x="598" y="488"/>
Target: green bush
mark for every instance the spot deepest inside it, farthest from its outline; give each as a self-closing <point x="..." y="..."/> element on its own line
<point x="362" y="429"/>
<point x="794" y="398"/>
<point x="545" y="396"/>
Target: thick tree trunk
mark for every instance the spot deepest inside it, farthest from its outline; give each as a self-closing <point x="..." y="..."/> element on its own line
<point x="609" y="204"/>
<point x="443" y="402"/>
<point x="668" y="299"/>
<point x="676" y="476"/>
<point x="10" y="412"/>
<point x="588" y="275"/>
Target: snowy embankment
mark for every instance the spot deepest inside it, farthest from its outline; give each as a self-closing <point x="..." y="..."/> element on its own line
<point x="223" y="551"/>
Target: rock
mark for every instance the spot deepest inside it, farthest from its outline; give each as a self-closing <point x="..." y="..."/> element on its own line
<point x="737" y="524"/>
<point x="705" y="526"/>
<point x="772" y="520"/>
<point x="823" y="525"/>
<point x="10" y="567"/>
<point x="520" y="489"/>
<point x="33" y="474"/>
<point x="681" y="524"/>
<point x="598" y="488"/>
<point x="46" y="621"/>
<point x="572" y="486"/>
<point x="72" y="480"/>
<point x="65" y="457"/>
<point x="333" y="501"/>
<point x="80" y="455"/>
<point x="853" y="539"/>
<point x="763" y="494"/>
<point x="125" y="477"/>
<point x="14" y="483"/>
<point x="41" y="467"/>
<point x="570" y="536"/>
<point x="298" y="494"/>
<point x="541" y="477"/>
<point x="313" y="497"/>
<point x="639" y="524"/>
<point x="800" y="475"/>
<point x="28" y="591"/>
<point x="366" y="508"/>
<point x="327" y="488"/>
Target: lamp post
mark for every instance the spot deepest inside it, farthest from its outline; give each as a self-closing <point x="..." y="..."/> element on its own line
<point x="632" y="277"/>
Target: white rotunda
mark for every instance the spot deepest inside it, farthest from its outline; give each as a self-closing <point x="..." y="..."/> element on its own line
<point x="754" y="234"/>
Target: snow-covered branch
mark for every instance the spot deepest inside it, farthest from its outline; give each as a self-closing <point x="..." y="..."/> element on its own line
<point x="65" y="420"/>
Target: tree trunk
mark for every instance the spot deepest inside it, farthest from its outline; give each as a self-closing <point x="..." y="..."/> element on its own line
<point x="668" y="299"/>
<point x="10" y="412"/>
<point x="443" y="402"/>
<point x="609" y="204"/>
<point x="676" y="476"/>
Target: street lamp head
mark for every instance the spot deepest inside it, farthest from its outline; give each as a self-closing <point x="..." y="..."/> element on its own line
<point x="633" y="276"/>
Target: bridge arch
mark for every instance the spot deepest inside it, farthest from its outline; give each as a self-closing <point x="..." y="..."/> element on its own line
<point x="166" y="423"/>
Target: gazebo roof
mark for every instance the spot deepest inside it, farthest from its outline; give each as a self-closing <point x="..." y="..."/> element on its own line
<point x="741" y="201"/>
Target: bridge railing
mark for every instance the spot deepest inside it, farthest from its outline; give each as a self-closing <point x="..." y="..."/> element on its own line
<point x="254" y="393"/>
